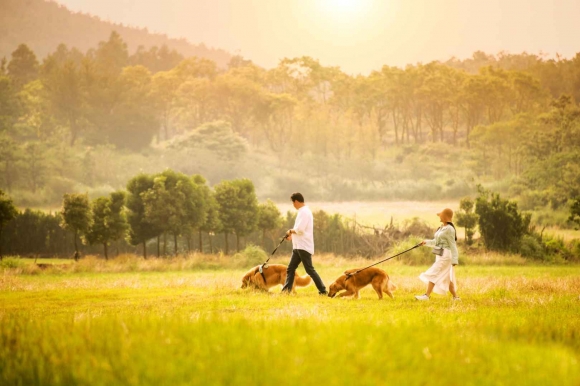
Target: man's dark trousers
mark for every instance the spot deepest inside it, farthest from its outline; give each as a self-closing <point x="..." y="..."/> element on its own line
<point x="301" y="256"/>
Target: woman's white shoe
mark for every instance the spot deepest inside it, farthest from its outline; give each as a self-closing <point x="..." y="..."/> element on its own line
<point x="422" y="297"/>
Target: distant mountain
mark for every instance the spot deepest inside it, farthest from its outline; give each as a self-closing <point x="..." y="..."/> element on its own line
<point x="43" y="25"/>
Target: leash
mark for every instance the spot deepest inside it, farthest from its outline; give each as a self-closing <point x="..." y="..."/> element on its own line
<point x="261" y="267"/>
<point x="349" y="275"/>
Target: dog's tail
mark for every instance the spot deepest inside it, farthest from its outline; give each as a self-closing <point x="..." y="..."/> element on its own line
<point x="391" y="286"/>
<point x="302" y="281"/>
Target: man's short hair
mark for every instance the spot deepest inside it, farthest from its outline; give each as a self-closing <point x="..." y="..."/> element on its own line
<point x="297" y="197"/>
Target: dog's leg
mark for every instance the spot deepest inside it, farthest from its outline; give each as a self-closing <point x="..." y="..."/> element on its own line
<point x="378" y="289"/>
<point x="346" y="293"/>
<point x="387" y="289"/>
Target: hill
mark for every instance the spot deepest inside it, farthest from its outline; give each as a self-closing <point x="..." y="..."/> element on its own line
<point x="43" y="25"/>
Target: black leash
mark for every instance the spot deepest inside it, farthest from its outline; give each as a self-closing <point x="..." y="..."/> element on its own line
<point x="261" y="268"/>
<point x="349" y="275"/>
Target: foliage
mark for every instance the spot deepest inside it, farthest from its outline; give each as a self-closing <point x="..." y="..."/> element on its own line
<point x="140" y="229"/>
<point x="500" y="222"/>
<point x="76" y="216"/>
<point x="238" y="207"/>
<point x="174" y="204"/>
<point x="467" y="218"/>
<point x="109" y="221"/>
<point x="7" y="214"/>
<point x="575" y="211"/>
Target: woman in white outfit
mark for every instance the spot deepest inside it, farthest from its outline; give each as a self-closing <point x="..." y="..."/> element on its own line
<point x="440" y="278"/>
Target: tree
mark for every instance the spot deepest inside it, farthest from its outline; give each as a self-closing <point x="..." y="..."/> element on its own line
<point x="269" y="219"/>
<point x="211" y="223"/>
<point x="238" y="208"/>
<point x="9" y="109"/>
<point x="467" y="218"/>
<point x="135" y="123"/>
<point x="7" y="213"/>
<point x="34" y="165"/>
<point x="109" y="221"/>
<point x="500" y="222"/>
<point x="217" y="138"/>
<point x="575" y="211"/>
<point x="23" y="66"/>
<point x="111" y="56"/>
<point x="141" y="229"/>
<point x="174" y="204"/>
<point x="67" y="96"/>
<point x="76" y="216"/>
<point x="10" y="154"/>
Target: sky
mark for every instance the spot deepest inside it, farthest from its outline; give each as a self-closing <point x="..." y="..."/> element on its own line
<point x="357" y="35"/>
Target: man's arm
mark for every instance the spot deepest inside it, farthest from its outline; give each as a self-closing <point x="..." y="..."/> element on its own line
<point x="299" y="224"/>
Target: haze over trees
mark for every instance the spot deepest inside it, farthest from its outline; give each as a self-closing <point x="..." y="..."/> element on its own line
<point x="77" y="121"/>
<point x="44" y="25"/>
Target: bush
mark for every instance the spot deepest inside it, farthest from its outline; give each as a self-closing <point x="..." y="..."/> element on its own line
<point x="530" y="247"/>
<point x="251" y="256"/>
<point x="11" y="262"/>
<point x="500" y="222"/>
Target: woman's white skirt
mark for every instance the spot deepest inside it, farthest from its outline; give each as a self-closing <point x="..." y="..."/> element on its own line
<point x="441" y="273"/>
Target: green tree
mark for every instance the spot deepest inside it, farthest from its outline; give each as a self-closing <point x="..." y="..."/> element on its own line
<point x="76" y="216"/>
<point x="7" y="213"/>
<point x="210" y="207"/>
<point x="9" y="109"/>
<point x="112" y="56"/>
<point x="34" y="165"/>
<point x="174" y="204"/>
<point x="215" y="137"/>
<point x="109" y="221"/>
<point x="467" y="218"/>
<point x="141" y="229"/>
<point x="10" y="154"/>
<point x="23" y="66"/>
<point x="135" y="122"/>
<point x="269" y="219"/>
<point x="67" y="97"/>
<point x="238" y="208"/>
<point x="500" y="222"/>
<point x="575" y="211"/>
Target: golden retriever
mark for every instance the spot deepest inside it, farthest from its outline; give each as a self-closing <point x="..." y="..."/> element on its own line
<point x="374" y="276"/>
<point x="275" y="275"/>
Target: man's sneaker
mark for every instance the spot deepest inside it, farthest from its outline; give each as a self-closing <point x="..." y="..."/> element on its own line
<point x="422" y="297"/>
<point x="323" y="293"/>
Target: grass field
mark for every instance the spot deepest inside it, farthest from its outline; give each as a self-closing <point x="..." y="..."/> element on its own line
<point x="117" y="323"/>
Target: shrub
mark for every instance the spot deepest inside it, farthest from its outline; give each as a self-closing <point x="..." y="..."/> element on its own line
<point x="500" y="222"/>
<point x="530" y="247"/>
<point x="11" y="262"/>
<point x="251" y="256"/>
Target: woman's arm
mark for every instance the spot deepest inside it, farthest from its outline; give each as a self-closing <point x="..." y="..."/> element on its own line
<point x="449" y="236"/>
<point x="429" y="243"/>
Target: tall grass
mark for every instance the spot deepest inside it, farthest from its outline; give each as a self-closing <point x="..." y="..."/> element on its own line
<point x="515" y="325"/>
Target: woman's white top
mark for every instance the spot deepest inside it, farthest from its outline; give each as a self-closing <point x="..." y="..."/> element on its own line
<point x="445" y="238"/>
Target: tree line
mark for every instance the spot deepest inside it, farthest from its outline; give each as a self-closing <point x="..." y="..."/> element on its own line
<point x="513" y="118"/>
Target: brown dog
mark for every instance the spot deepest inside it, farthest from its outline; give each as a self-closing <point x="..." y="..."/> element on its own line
<point x="275" y="275"/>
<point x="374" y="276"/>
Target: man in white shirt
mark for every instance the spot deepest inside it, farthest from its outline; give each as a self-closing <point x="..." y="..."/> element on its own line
<point x="302" y="236"/>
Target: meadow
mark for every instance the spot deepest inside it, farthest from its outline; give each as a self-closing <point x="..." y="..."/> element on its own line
<point x="186" y="321"/>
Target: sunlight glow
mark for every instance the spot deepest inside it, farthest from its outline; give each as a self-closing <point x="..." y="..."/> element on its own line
<point x="344" y="11"/>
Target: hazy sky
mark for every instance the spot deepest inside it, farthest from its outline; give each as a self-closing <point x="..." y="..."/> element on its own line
<point x="357" y="35"/>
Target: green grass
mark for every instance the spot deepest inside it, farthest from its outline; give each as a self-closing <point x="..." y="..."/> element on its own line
<point x="515" y="325"/>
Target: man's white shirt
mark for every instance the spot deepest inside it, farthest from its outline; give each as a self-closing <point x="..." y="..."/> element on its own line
<point x="304" y="228"/>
